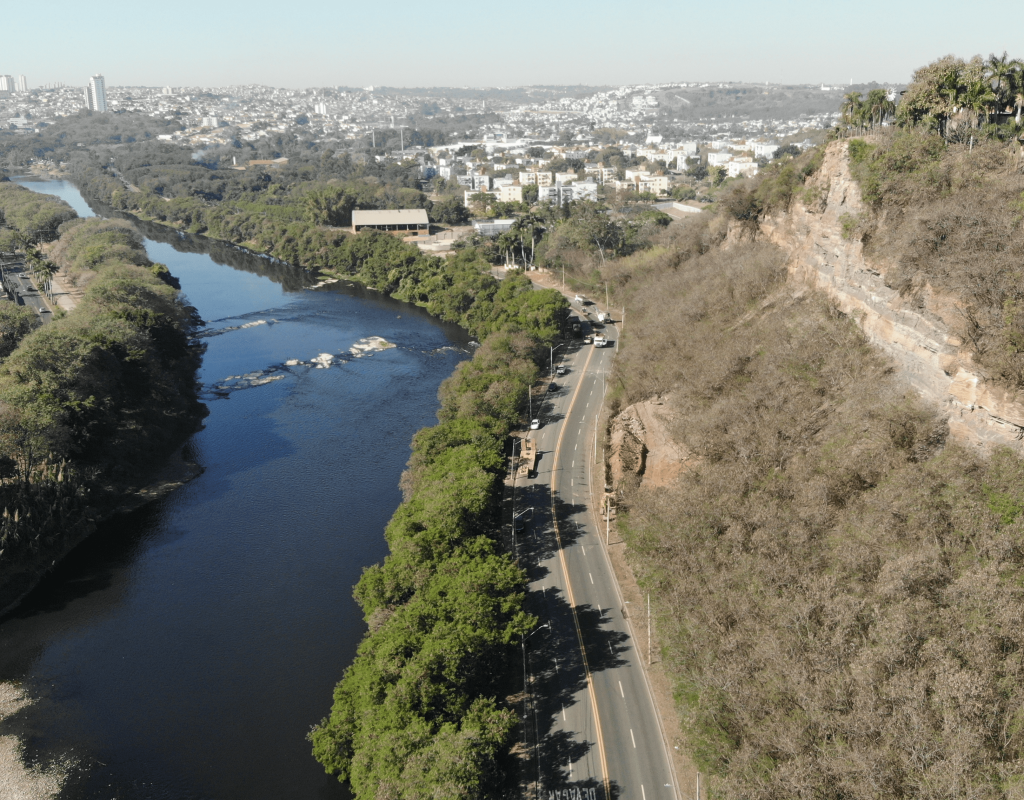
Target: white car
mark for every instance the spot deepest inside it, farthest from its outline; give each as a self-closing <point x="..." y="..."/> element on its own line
<point x="534" y="424"/>
<point x="580" y="299"/>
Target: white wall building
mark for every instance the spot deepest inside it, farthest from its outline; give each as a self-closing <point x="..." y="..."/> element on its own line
<point x="719" y="159"/>
<point x="96" y="94"/>
<point x="22" y="84"/>
<point x="762" y="150"/>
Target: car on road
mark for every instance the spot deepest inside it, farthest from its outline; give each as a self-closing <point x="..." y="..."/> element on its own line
<point x="580" y="299"/>
<point x="534" y="424"/>
<point x="587" y="339"/>
<point x="552" y="387"/>
<point x="561" y="370"/>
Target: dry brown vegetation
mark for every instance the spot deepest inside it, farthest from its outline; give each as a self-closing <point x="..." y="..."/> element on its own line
<point x="839" y="591"/>
<point x="949" y="217"/>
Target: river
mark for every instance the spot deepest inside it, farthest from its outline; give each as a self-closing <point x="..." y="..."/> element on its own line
<point x="185" y="650"/>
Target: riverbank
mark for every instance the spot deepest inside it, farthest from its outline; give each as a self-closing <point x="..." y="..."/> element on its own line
<point x="18" y="780"/>
<point x="164" y="479"/>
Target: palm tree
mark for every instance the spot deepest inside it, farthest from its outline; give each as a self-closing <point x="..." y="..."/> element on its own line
<point x="852" y="109"/>
<point x="506" y="246"/>
<point x="951" y="90"/>
<point x="876" y="105"/>
<point x="529" y="224"/>
<point x="979" y="99"/>
<point x="1015" y="88"/>
<point x="999" y="69"/>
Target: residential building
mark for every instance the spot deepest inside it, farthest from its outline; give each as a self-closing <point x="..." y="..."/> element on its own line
<point x="22" y="84"/>
<point x="480" y="183"/>
<point x="6" y="84"/>
<point x="719" y="159"/>
<point x="764" y="150"/>
<point x="565" y="177"/>
<point x="401" y="222"/>
<point x="512" y="193"/>
<point x="96" y="94"/>
<point x="741" y="166"/>
<point x="535" y="178"/>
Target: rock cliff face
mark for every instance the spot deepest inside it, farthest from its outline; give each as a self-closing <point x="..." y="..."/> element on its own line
<point x="917" y="332"/>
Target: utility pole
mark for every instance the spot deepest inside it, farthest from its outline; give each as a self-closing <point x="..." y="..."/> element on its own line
<point x="607" y="522"/>
<point x="649" y="662"/>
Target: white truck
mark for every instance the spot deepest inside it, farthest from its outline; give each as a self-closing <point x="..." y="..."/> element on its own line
<point x="603" y="317"/>
<point x="600" y="340"/>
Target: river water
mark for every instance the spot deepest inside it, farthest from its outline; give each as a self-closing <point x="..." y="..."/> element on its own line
<point x="185" y="649"/>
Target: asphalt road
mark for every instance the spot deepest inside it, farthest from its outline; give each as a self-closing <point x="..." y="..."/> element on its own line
<point x="591" y="723"/>
<point x="18" y="284"/>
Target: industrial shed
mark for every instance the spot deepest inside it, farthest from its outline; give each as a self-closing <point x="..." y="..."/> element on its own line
<point x="403" y="222"/>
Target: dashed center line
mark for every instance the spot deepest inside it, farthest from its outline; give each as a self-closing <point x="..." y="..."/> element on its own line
<point x="643" y="792"/>
<point x="632" y="737"/>
<point x="621" y="692"/>
<point x="591" y="577"/>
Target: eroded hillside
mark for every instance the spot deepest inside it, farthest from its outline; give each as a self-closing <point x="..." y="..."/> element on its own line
<point x="821" y="487"/>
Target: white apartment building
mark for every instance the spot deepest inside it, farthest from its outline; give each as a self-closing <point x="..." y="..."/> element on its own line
<point x="6" y="84"/>
<point x="719" y="159"/>
<point x="764" y="150"/>
<point x="565" y="177"/>
<point x="96" y="94"/>
<point x="510" y="193"/>
<point x="741" y="166"/>
<point x="535" y="178"/>
<point x="22" y="84"/>
<point x="656" y="184"/>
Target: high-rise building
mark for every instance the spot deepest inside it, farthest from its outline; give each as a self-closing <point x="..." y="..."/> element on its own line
<point x="96" y="94"/>
<point x="6" y="84"/>
<point x="22" y="83"/>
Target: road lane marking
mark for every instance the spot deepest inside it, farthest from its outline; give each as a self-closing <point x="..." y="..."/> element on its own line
<point x="591" y="578"/>
<point x="563" y="713"/>
<point x="572" y="601"/>
<point x="631" y="736"/>
<point x="584" y="550"/>
<point x="620" y="688"/>
<point x="643" y="792"/>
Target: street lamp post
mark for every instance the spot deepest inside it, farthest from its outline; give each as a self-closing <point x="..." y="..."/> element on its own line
<point x="515" y="516"/>
<point x="553" y="349"/>
<point x="527" y="693"/>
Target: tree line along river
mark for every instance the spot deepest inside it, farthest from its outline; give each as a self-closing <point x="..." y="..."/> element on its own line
<point x="185" y="649"/>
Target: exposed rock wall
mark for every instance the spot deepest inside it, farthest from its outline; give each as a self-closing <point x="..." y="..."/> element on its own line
<point x="917" y="333"/>
<point x="643" y="447"/>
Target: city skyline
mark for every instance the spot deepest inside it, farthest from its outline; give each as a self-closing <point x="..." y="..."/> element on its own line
<point x="458" y="44"/>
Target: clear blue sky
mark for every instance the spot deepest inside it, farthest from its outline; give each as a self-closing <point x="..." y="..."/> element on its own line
<point x="300" y="43"/>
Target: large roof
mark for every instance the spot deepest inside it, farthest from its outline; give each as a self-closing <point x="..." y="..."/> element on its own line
<point x="402" y="216"/>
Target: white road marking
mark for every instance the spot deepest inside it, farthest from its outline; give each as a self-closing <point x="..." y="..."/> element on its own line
<point x="563" y="713"/>
<point x="643" y="792"/>
<point x="609" y="648"/>
<point x="584" y="550"/>
<point x="577" y="447"/>
<point x="632" y="737"/>
<point x="591" y="577"/>
<point x="621" y="692"/>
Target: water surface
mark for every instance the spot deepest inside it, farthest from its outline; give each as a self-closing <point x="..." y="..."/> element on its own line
<point x="185" y="650"/>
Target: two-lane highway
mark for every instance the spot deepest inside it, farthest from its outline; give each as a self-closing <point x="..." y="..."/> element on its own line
<point x="593" y="729"/>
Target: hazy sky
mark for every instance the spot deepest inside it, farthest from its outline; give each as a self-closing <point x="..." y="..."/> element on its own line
<point x="300" y="43"/>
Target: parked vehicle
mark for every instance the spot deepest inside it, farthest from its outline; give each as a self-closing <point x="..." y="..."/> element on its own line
<point x="603" y="317"/>
<point x="600" y="340"/>
<point x="560" y="370"/>
<point x="580" y="299"/>
<point x="534" y="424"/>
